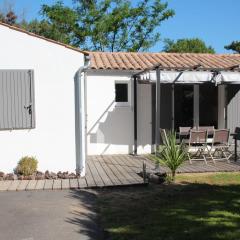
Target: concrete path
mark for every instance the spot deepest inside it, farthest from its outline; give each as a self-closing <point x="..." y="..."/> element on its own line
<point x="46" y="215"/>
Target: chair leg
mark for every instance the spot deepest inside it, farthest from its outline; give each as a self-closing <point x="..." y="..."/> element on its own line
<point x="189" y="158"/>
<point x="205" y="160"/>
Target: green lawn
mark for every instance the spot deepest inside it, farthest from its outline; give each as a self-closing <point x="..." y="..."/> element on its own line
<point x="199" y="206"/>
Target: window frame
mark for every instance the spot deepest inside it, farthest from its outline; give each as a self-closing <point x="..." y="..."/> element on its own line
<point x="123" y="104"/>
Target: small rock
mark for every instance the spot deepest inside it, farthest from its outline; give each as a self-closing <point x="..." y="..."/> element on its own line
<point x="65" y="175"/>
<point x="53" y="175"/>
<point x="59" y="174"/>
<point x="39" y="175"/>
<point x="47" y="174"/>
<point x="11" y="176"/>
<point x="20" y="177"/>
<point x="2" y="174"/>
<point x="72" y="176"/>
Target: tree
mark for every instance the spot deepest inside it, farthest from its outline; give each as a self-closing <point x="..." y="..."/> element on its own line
<point x="104" y="25"/>
<point x="234" y="46"/>
<point x="59" y="23"/>
<point x="9" y="18"/>
<point x="186" y="45"/>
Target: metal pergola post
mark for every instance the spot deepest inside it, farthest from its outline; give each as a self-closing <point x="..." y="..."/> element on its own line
<point x="173" y="107"/>
<point x="157" y="116"/>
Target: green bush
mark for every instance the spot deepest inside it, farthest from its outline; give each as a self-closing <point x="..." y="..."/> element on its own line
<point x="27" y="166"/>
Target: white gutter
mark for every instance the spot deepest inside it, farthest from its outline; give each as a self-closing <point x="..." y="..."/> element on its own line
<point x="80" y="118"/>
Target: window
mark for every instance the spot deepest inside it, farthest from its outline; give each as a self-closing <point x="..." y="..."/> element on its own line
<point x="17" y="99"/>
<point x="121" y="93"/>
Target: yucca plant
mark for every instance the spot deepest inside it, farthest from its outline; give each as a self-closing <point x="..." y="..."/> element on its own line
<point x="172" y="155"/>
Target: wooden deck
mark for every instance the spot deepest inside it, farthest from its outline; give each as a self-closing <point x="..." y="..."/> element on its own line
<point x="201" y="167"/>
<point x="107" y="171"/>
<point x="114" y="170"/>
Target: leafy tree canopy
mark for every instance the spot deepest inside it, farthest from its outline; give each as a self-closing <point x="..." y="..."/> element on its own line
<point x="103" y="25"/>
<point x="234" y="46"/>
<point x="186" y="45"/>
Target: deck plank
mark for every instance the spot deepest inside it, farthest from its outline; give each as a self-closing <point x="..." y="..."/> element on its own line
<point x="82" y="183"/>
<point x="97" y="178"/>
<point x="73" y="183"/>
<point x="117" y="173"/>
<point x="131" y="172"/>
<point x="107" y="181"/>
<point x="22" y="185"/>
<point x="57" y="184"/>
<point x="111" y="174"/>
<point x="48" y="184"/>
<point x="40" y="184"/>
<point x="31" y="185"/>
<point x="13" y="186"/>
<point x="4" y="185"/>
<point x="89" y="178"/>
<point x="125" y="173"/>
<point x="65" y="184"/>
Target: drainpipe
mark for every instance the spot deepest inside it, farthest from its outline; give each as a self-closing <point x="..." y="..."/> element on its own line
<point x="80" y="117"/>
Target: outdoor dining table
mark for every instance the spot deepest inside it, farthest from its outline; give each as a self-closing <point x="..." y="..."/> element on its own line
<point x="185" y="136"/>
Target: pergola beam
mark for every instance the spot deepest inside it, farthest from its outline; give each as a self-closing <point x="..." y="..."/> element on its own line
<point x="198" y="67"/>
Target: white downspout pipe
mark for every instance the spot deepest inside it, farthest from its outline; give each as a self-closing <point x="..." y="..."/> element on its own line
<point x="80" y="118"/>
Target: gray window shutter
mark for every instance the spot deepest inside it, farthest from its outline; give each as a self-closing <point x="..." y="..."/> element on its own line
<point x="17" y="99"/>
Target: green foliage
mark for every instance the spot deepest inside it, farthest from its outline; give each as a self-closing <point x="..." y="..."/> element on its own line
<point x="234" y="46"/>
<point x="27" y="166"/>
<point x="172" y="155"/>
<point x="103" y="25"/>
<point x="186" y="45"/>
<point x="8" y="18"/>
<point x="59" y="23"/>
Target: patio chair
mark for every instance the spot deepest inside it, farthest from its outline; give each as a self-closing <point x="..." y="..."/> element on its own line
<point x="197" y="145"/>
<point x="209" y="129"/>
<point x="220" y="145"/>
<point x="163" y="135"/>
<point x="184" y="133"/>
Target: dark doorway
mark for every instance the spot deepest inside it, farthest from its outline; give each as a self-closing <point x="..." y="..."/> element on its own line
<point x="208" y="105"/>
<point x="183" y="99"/>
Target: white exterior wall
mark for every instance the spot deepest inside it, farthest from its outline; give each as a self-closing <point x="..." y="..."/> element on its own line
<point x="110" y="128"/>
<point x="53" y="140"/>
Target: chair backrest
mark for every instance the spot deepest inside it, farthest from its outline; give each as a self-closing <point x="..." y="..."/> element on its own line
<point x="198" y="137"/>
<point x="164" y="136"/>
<point x="209" y="129"/>
<point x="221" y="136"/>
<point x="184" y="130"/>
<point x="237" y="132"/>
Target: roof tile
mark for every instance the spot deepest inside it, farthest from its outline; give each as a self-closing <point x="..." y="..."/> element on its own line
<point x="141" y="61"/>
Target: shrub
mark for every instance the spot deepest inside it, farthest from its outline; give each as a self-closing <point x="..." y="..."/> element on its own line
<point x="172" y="155"/>
<point x="27" y="166"/>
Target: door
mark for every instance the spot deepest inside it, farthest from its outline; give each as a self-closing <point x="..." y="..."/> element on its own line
<point x="144" y="118"/>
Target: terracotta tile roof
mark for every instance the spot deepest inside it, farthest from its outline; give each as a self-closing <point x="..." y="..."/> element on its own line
<point x="41" y="37"/>
<point x="141" y="61"/>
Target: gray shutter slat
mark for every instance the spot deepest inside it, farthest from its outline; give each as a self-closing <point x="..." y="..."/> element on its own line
<point x="16" y="92"/>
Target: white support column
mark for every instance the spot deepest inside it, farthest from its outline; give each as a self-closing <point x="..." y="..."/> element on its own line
<point x="196" y="105"/>
<point x="157" y="120"/>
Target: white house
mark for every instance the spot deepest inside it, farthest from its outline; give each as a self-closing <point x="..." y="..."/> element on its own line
<point x="51" y="109"/>
<point x="37" y="110"/>
<point x="196" y="89"/>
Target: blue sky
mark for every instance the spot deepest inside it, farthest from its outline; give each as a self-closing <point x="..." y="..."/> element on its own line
<point x="214" y="21"/>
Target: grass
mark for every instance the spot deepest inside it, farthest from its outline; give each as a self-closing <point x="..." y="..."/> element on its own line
<point x="198" y="206"/>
